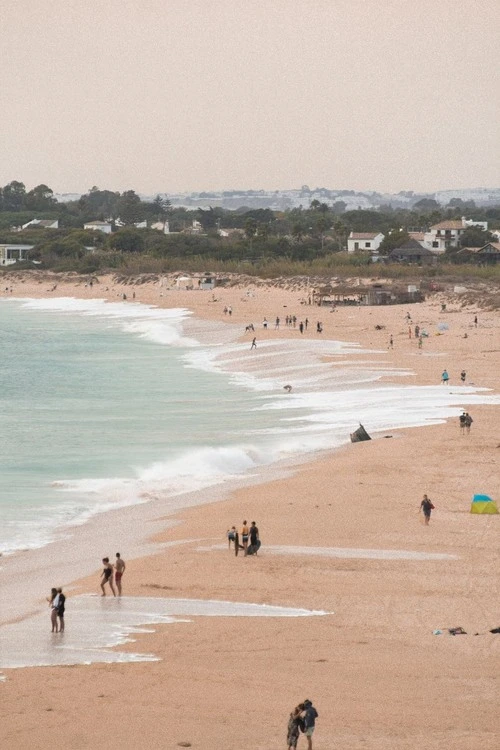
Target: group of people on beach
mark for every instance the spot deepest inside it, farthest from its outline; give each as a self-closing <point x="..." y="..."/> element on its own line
<point x="302" y="719"/>
<point x="249" y="536"/>
<point x="109" y="571"/>
<point x="57" y="605"/>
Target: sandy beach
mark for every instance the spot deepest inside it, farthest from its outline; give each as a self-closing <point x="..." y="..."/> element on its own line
<point x="375" y="671"/>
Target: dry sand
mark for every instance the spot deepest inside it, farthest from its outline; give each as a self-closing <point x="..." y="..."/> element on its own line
<point x="376" y="673"/>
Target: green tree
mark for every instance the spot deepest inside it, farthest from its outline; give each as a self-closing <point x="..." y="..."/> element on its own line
<point x="130" y="208"/>
<point x="394" y="239"/>
<point x="41" y="198"/>
<point x="128" y="240"/>
<point x="13" y="196"/>
<point x="475" y="237"/>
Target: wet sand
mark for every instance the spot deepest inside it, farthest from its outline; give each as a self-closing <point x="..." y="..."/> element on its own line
<point x="376" y="673"/>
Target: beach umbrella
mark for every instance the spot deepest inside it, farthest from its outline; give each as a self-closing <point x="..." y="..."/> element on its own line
<point x="483" y="504"/>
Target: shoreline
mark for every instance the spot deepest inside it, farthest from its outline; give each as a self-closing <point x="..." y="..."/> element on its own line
<point x="305" y="508"/>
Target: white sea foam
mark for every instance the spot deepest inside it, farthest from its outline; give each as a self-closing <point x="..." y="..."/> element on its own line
<point x="335" y="386"/>
<point x="95" y="625"/>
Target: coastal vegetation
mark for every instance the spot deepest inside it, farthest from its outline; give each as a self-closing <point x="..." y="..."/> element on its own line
<point x="259" y="242"/>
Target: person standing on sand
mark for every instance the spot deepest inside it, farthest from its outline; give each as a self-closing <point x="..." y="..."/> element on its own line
<point x="426" y="507"/>
<point x="475" y="321"/>
<point x="463" y="375"/>
<point x="244" y="537"/>
<point x="107" y="576"/>
<point x="53" y="611"/>
<point x="444" y="377"/>
<point x="310" y="717"/>
<point x="254" y="344"/>
<point x="119" y="571"/>
<point x="61" y="601"/>
<point x="295" y="726"/>
<point x="391" y="342"/>
<point x="254" y="538"/>
<point x="468" y="422"/>
<point x="462" y="419"/>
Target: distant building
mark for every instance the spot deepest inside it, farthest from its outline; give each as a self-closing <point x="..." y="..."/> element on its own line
<point x="447" y="234"/>
<point x="364" y="241"/>
<point x="42" y="224"/>
<point x="489" y="254"/>
<point x="412" y="251"/>
<point x="10" y="253"/>
<point x="98" y="226"/>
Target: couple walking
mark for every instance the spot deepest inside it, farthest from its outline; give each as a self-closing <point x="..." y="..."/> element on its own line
<point x="57" y="602"/>
<point x="302" y="719"/>
<point x="107" y="574"/>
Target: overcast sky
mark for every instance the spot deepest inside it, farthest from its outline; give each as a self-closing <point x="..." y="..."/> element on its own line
<point x="168" y="95"/>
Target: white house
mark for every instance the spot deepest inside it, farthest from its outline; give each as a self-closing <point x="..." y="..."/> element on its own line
<point x="447" y="233"/>
<point x="364" y="241"/>
<point x="98" y="226"/>
<point x="14" y="253"/>
<point x="42" y="224"/>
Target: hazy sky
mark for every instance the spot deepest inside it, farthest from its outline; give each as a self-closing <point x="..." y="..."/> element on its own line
<point x="167" y="95"/>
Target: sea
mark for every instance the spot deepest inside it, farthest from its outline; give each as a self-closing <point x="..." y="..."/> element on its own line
<point x="105" y="405"/>
<point x="116" y="415"/>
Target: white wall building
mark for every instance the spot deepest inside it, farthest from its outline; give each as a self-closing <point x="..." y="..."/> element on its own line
<point x="447" y="234"/>
<point x="10" y="253"/>
<point x="364" y="241"/>
<point x="98" y="226"/>
<point x="42" y="224"/>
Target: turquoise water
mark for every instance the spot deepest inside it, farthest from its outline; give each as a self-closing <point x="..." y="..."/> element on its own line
<point x="110" y="404"/>
<point x="82" y="400"/>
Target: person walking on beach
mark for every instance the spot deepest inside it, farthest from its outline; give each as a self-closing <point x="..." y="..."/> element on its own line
<point x="462" y="419"/>
<point x="391" y="342"/>
<point x="468" y="422"/>
<point x="463" y="375"/>
<point x="444" y="377"/>
<point x="295" y="726"/>
<point x="475" y="321"/>
<point x="53" y="610"/>
<point x="61" y="602"/>
<point x="107" y="576"/>
<point x="119" y="571"/>
<point x="254" y="344"/>
<point x="426" y="507"/>
<point x="254" y="538"/>
<point x="244" y="537"/>
<point x="310" y="717"/>
<point x="231" y="536"/>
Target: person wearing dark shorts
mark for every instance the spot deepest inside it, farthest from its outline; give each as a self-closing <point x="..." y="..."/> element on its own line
<point x="107" y="576"/>
<point x="426" y="507"/>
<point x="60" y="609"/>
<point x="244" y="536"/>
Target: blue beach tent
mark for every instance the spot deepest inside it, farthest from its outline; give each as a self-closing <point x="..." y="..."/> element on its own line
<point x="483" y="504"/>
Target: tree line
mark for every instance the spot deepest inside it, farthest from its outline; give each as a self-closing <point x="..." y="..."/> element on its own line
<point x="302" y="235"/>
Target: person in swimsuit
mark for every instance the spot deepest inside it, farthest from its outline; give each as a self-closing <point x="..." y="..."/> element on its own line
<point x="107" y="576"/>
<point x="53" y="611"/>
<point x="244" y="536"/>
<point x="119" y="571"/>
<point x="61" y="600"/>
